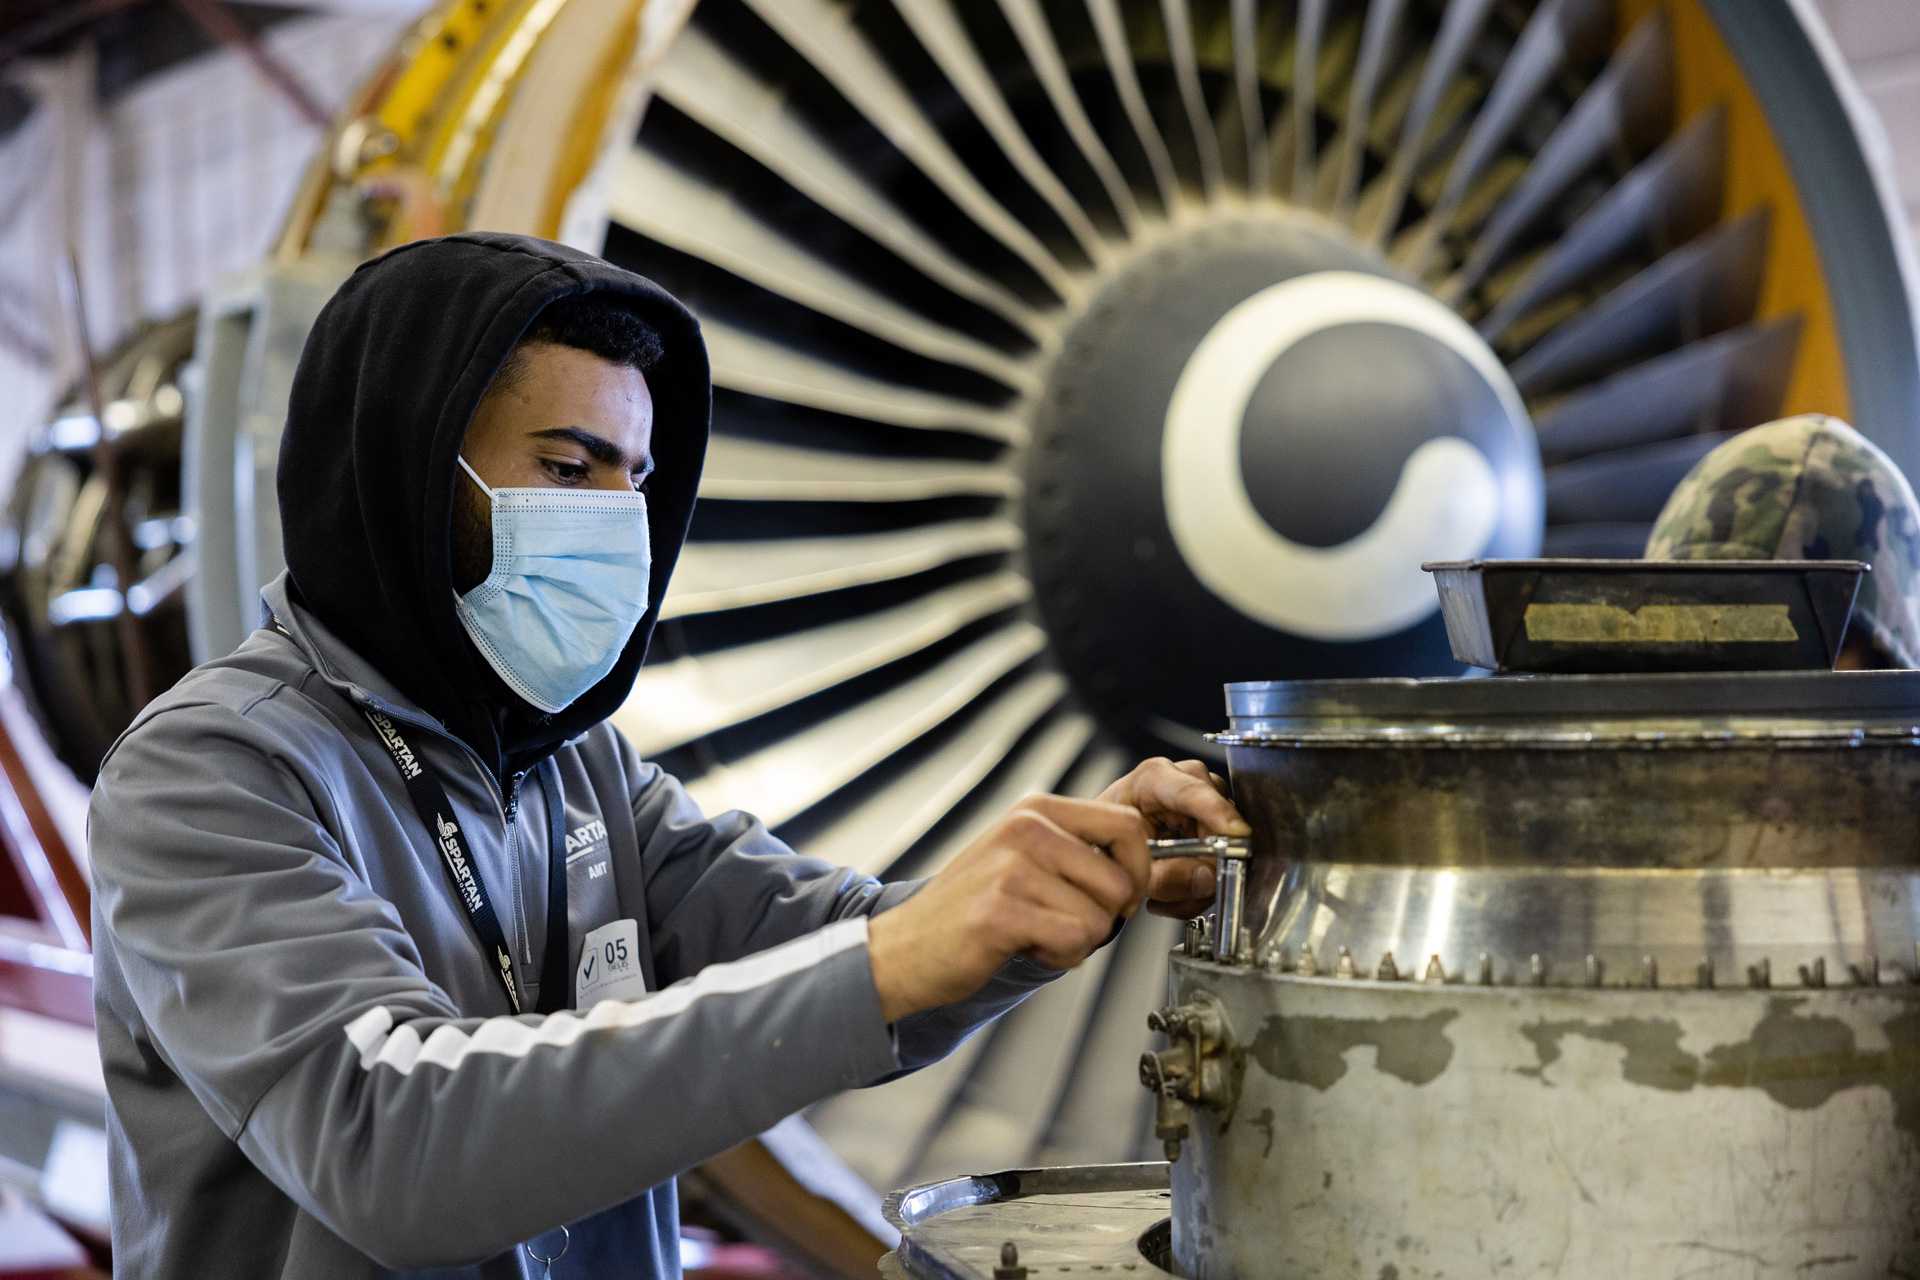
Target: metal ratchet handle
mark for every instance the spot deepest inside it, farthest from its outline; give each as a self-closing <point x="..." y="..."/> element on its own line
<point x="1232" y="848"/>
<point x="1229" y="892"/>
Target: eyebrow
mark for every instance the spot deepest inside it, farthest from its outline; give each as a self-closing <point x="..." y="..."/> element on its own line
<point x="599" y="448"/>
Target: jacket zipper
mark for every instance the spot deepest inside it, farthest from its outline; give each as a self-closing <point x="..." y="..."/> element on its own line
<point x="510" y="813"/>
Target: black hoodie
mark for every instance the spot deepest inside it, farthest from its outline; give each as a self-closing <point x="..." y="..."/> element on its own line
<point x="391" y="375"/>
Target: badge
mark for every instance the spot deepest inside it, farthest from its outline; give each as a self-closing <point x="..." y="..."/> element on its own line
<point x="609" y="966"/>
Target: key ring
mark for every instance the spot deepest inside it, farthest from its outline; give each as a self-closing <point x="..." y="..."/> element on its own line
<point x="566" y="1242"/>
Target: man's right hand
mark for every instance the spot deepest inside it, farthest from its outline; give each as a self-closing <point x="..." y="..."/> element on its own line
<point x="1047" y="880"/>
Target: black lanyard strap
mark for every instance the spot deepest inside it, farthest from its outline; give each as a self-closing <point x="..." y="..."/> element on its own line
<point x="436" y="812"/>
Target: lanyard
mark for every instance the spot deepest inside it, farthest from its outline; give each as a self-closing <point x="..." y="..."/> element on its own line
<point x="443" y="828"/>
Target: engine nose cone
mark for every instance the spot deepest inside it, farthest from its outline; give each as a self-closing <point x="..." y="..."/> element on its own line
<point x="1249" y="445"/>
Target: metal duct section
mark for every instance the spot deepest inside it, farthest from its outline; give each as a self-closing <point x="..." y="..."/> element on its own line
<point x="96" y="553"/>
<point x="1074" y="356"/>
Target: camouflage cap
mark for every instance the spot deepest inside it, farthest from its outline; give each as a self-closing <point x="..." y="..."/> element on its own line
<point x="1806" y="488"/>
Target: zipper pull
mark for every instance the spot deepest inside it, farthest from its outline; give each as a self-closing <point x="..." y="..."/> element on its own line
<point x="513" y="795"/>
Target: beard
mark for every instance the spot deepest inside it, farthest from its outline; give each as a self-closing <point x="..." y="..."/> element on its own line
<point x="472" y="537"/>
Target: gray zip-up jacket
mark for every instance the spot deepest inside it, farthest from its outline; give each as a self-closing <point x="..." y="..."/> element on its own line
<point x="311" y="1067"/>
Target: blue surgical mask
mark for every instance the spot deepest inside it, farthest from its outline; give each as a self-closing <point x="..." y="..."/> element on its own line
<point x="568" y="586"/>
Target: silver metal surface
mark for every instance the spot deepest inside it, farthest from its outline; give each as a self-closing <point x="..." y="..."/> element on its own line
<point x="1225" y="847"/>
<point x="1564" y="827"/>
<point x="1088" y="1219"/>
<point x="1229" y="908"/>
<point x="1847" y="919"/>
<point x="1622" y="972"/>
<point x="1624" y="1132"/>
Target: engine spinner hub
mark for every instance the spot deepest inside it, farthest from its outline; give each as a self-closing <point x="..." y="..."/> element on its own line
<point x="1252" y="438"/>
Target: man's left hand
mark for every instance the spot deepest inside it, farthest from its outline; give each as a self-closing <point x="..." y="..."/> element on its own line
<point x="1181" y="799"/>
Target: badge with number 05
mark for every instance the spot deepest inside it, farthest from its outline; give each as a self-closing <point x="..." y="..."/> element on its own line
<point x="609" y="966"/>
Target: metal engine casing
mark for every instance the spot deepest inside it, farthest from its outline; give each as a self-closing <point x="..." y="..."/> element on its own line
<point x="1400" y="1129"/>
<point x="1602" y="976"/>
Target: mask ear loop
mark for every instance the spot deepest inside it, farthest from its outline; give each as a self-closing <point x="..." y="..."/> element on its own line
<point x="474" y="474"/>
<point x="566" y="1242"/>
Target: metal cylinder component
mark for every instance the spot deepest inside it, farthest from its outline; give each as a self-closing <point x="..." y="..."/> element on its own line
<point x="1631" y="1131"/>
<point x="1549" y="856"/>
<point x="1587" y="830"/>
<point x="1229" y="898"/>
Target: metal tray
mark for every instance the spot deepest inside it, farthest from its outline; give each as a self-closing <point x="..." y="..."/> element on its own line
<point x="1077" y="1218"/>
<point x="1599" y="616"/>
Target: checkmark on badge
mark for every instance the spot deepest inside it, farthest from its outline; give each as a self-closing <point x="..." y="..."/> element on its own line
<point x="621" y="977"/>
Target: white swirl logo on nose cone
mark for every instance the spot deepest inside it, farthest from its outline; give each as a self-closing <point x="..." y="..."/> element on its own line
<point x="1446" y="505"/>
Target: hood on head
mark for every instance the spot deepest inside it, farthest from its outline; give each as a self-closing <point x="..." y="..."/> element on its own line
<point x="389" y="379"/>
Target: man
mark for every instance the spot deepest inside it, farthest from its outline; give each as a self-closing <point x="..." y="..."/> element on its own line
<point x="403" y="959"/>
<point x="1809" y="488"/>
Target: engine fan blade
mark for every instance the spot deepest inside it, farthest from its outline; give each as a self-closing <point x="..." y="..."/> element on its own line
<point x="1458" y="27"/>
<point x="1029" y="26"/>
<point x="759" y="366"/>
<point x="655" y="197"/>
<point x="797" y="772"/>
<point x="1694" y="292"/>
<point x="1179" y="24"/>
<point x="1112" y="34"/>
<point x="875" y="835"/>
<point x="1626" y="487"/>
<point x="1246" y="83"/>
<point x="1560" y="32"/>
<point x="1728" y="383"/>
<point x="705" y="83"/>
<point x="714" y="576"/>
<point x="1376" y="49"/>
<point x="678" y="701"/>
<point x="940" y="30"/>
<point x="1667" y="200"/>
<point x="825" y="36"/>
<point x="761" y="471"/>
<point x="1622" y="112"/>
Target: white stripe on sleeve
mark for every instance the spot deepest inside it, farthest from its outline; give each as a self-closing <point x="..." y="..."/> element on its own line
<point x="373" y="1033"/>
